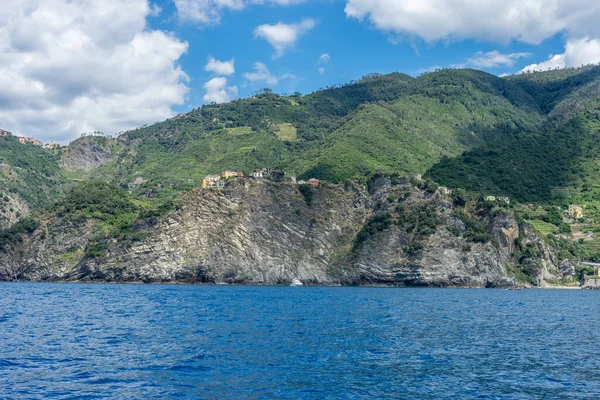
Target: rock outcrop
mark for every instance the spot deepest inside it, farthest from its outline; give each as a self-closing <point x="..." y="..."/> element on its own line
<point x="266" y="232"/>
<point x="87" y="153"/>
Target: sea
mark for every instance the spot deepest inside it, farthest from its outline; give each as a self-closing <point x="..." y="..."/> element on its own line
<point x="113" y="341"/>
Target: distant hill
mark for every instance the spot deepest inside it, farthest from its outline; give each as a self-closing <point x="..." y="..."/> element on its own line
<point x="563" y="153"/>
<point x="393" y="122"/>
<point x="521" y="136"/>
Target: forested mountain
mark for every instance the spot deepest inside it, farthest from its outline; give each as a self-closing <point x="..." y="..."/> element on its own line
<point x="532" y="137"/>
<point x="392" y="122"/>
<point x="523" y="136"/>
<point x="560" y="157"/>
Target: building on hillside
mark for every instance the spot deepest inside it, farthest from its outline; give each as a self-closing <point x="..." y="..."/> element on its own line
<point x="24" y="140"/>
<point x="313" y="182"/>
<point x="504" y="199"/>
<point x="301" y="182"/>
<point x="445" y="190"/>
<point x="4" y="133"/>
<point x="490" y="198"/>
<point x="575" y="211"/>
<point x="51" y="146"/>
<point x="210" y="181"/>
<point x="257" y="173"/>
<point x="232" y="174"/>
<point x="419" y="177"/>
<point x="220" y="184"/>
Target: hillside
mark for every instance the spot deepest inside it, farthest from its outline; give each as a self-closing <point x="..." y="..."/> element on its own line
<point x="535" y="166"/>
<point x="390" y="122"/>
<point x="532" y="137"/>
<point x="30" y="179"/>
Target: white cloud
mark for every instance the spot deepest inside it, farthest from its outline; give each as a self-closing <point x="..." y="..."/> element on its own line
<point x="577" y="53"/>
<point x="208" y="12"/>
<point x="324" y="59"/>
<point x="529" y="21"/>
<point x="262" y="74"/>
<point x="217" y="91"/>
<point x="481" y="60"/>
<point x="220" y="67"/>
<point x="494" y="59"/>
<point x="283" y="36"/>
<point x="68" y="67"/>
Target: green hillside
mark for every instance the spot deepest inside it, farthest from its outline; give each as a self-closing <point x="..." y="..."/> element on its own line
<point x="30" y="172"/>
<point x="530" y="136"/>
<point x="541" y="165"/>
<point x="390" y="122"/>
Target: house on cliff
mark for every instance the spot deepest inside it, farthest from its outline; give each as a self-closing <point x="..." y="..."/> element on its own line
<point x="24" y="140"/>
<point x="210" y="181"/>
<point x="232" y="174"/>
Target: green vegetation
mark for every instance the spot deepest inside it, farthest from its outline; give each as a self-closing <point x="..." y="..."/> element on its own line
<point x="474" y="230"/>
<point x="533" y="137"/>
<point x="393" y="122"/>
<point x="557" y="162"/>
<point x="30" y="172"/>
<point x="13" y="234"/>
<point x="377" y="223"/>
<point x="418" y="220"/>
<point x="307" y="192"/>
<point x="542" y="227"/>
<point x="286" y="131"/>
<point x="117" y="214"/>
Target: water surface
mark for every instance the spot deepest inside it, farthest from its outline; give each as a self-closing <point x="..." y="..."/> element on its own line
<point x="70" y="341"/>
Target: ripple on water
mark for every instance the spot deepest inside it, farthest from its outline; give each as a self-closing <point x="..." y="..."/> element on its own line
<point x="118" y="341"/>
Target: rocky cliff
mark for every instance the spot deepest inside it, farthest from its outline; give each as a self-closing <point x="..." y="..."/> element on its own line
<point x="269" y="232"/>
<point x="87" y="153"/>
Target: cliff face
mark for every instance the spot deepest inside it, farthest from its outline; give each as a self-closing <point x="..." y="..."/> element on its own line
<point x="12" y="208"/>
<point x="265" y="232"/>
<point x="87" y="153"/>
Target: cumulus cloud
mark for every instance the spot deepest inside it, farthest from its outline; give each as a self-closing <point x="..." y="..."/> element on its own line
<point x="577" y="53"/>
<point x="208" y="12"/>
<point x="217" y="91"/>
<point x="262" y="74"/>
<point x="68" y="67"/>
<point x="494" y="59"/>
<point x="321" y="70"/>
<point x="283" y="36"/>
<point x="220" y="67"/>
<point x="528" y="21"/>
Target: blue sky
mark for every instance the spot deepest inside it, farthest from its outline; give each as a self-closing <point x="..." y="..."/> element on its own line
<point x="73" y="66"/>
<point x="355" y="48"/>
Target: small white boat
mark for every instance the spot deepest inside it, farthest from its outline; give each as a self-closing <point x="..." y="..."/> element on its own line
<point x="296" y="282"/>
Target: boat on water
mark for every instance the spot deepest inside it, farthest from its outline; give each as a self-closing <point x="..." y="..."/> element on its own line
<point x="296" y="282"/>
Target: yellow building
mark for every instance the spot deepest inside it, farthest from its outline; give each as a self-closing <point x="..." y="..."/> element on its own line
<point x="232" y="174"/>
<point x="210" y="181"/>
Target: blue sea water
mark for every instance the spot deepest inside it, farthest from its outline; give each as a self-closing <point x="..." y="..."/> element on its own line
<point x="69" y="341"/>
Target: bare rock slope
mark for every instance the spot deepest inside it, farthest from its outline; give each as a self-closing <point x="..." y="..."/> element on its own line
<point x="265" y="232"/>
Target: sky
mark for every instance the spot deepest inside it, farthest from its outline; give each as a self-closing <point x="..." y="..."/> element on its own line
<point x="69" y="67"/>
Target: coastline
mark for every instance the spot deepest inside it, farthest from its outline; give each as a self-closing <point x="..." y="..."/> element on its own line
<point x="399" y="286"/>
